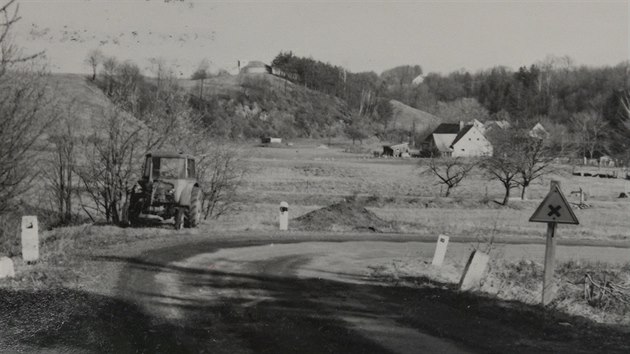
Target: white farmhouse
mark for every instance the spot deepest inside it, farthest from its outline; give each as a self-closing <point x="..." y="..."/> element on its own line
<point x="470" y="142"/>
<point x="457" y="140"/>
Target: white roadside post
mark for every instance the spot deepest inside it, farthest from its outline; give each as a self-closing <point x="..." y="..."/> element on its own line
<point x="473" y="271"/>
<point x="30" y="239"/>
<point x="440" y="250"/>
<point x="553" y="210"/>
<point x="284" y="216"/>
<point x="6" y="268"/>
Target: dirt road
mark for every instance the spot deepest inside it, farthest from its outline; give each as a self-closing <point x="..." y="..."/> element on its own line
<point x="250" y="296"/>
<point x="315" y="297"/>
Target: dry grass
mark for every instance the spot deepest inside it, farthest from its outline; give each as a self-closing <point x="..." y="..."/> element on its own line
<point x="308" y="178"/>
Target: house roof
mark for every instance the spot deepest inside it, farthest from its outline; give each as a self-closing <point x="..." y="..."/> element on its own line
<point x="397" y="145"/>
<point x="503" y="124"/>
<point x="447" y="128"/>
<point x="461" y="133"/>
<point x="538" y="131"/>
<point x="443" y="142"/>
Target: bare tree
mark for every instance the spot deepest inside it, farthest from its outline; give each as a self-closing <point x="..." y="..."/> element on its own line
<point x="109" y="74"/>
<point x="221" y="173"/>
<point x="505" y="164"/>
<point x="534" y="162"/>
<point x="58" y="172"/>
<point x="450" y="171"/>
<point x="220" y="165"/>
<point x="201" y="74"/>
<point x="112" y="154"/>
<point x="93" y="60"/>
<point x="590" y="130"/>
<point x="27" y="111"/>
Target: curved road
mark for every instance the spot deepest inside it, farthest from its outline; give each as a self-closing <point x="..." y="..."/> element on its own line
<point x="201" y="298"/>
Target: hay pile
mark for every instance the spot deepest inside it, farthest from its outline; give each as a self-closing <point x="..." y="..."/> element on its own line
<point x="343" y="217"/>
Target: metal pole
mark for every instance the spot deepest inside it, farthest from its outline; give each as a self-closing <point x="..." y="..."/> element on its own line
<point x="549" y="286"/>
<point x="550" y="255"/>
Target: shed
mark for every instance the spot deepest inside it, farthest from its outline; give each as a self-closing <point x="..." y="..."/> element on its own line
<point x="270" y="140"/>
<point x="397" y="150"/>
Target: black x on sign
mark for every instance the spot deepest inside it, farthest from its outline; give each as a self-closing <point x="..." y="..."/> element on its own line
<point x="554" y="209"/>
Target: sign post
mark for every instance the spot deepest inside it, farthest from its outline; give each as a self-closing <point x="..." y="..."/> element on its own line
<point x="553" y="210"/>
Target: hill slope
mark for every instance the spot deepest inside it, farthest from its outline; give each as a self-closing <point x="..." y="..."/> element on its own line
<point x="82" y="102"/>
<point x="405" y="117"/>
<point x="253" y="105"/>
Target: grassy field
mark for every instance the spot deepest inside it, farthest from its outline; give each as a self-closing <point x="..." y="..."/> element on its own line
<point x="309" y="176"/>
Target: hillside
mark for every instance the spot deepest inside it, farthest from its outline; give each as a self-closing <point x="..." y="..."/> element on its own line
<point x="405" y="117"/>
<point x="253" y="105"/>
<point x="81" y="101"/>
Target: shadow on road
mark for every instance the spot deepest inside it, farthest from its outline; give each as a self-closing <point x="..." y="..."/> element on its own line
<point x="207" y="310"/>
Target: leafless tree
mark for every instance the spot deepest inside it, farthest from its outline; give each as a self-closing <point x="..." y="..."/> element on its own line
<point x="27" y="110"/>
<point x="109" y="74"/>
<point x="504" y="165"/>
<point x="518" y="159"/>
<point x="58" y="172"/>
<point x="221" y="173"/>
<point x="93" y="60"/>
<point x="450" y="171"/>
<point x="590" y="130"/>
<point x="112" y="155"/>
<point x="534" y="161"/>
<point x="201" y="74"/>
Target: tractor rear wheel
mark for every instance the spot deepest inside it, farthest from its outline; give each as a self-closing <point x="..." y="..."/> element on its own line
<point x="193" y="213"/>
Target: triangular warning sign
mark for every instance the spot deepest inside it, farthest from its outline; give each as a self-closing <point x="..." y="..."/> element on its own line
<point x="555" y="208"/>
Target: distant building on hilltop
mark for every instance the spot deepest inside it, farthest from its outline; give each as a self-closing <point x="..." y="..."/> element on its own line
<point x="457" y="140"/>
<point x="253" y="67"/>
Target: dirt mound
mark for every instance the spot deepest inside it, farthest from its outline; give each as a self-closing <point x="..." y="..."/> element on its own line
<point x="343" y="217"/>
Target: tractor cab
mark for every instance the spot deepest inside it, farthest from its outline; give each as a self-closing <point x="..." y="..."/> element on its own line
<point x="168" y="188"/>
<point x="168" y="166"/>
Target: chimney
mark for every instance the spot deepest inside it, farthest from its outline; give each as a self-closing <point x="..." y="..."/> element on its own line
<point x="461" y="125"/>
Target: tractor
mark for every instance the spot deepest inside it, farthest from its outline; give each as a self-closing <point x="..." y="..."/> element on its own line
<point x="168" y="189"/>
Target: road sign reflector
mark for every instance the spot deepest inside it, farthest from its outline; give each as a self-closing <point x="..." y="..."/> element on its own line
<point x="554" y="209"/>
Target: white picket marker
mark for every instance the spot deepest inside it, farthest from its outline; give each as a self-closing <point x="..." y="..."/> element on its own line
<point x="30" y="239"/>
<point x="284" y="216"/>
<point x="440" y="250"/>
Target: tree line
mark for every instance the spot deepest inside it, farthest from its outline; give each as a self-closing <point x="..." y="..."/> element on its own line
<point x="584" y="108"/>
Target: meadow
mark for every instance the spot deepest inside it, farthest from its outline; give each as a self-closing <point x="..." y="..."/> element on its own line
<point x="309" y="175"/>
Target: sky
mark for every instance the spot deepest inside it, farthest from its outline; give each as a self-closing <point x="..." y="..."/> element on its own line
<point x="358" y="35"/>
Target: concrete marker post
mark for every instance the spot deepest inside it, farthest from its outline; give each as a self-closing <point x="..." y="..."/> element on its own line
<point x="30" y="239"/>
<point x="7" y="270"/>
<point x="284" y="216"/>
<point x="440" y="250"/>
<point x="473" y="272"/>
